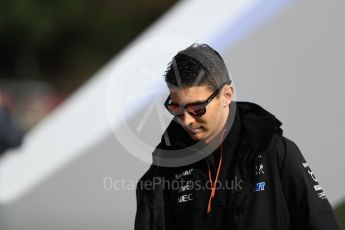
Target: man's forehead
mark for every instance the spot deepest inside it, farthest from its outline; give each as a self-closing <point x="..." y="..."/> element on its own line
<point x="189" y="94"/>
<point x="186" y="90"/>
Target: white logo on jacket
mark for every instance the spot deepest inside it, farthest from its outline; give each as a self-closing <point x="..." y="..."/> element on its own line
<point x="185" y="198"/>
<point x="184" y="173"/>
<point x="316" y="186"/>
<point x="259" y="167"/>
<point x="184" y="186"/>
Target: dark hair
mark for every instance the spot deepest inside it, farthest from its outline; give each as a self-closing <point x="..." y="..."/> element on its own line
<point x="197" y="65"/>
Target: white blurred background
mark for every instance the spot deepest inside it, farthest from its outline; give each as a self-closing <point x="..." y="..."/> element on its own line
<point x="287" y="56"/>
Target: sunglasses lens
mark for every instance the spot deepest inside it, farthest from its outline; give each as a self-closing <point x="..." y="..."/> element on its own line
<point x="175" y="110"/>
<point x="196" y="110"/>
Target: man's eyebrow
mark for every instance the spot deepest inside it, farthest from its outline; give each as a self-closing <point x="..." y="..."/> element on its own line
<point x="198" y="101"/>
<point x="195" y="102"/>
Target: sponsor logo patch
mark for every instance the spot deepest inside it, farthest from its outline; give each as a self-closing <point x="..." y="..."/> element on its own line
<point x="184" y="173"/>
<point x="260" y="186"/>
<point x="185" y="198"/>
<point x="317" y="187"/>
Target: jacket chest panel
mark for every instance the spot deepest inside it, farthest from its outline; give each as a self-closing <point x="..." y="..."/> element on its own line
<point x="185" y="188"/>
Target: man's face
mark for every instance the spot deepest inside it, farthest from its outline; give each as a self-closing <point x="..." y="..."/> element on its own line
<point x="208" y="125"/>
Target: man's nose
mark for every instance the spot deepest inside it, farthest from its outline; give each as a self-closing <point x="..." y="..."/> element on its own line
<point x="187" y="119"/>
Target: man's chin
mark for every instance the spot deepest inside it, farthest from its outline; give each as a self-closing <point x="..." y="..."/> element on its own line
<point x="201" y="136"/>
<point x="196" y="136"/>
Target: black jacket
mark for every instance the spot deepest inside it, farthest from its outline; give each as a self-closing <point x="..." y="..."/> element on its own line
<point x="264" y="182"/>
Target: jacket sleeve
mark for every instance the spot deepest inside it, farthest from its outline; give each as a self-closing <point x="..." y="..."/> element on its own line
<point x="150" y="202"/>
<point x="143" y="213"/>
<point x="142" y="216"/>
<point x="308" y="205"/>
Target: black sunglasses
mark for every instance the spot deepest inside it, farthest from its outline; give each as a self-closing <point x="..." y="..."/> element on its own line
<point x="195" y="109"/>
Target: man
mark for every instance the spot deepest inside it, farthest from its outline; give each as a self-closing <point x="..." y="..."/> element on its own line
<point x="240" y="172"/>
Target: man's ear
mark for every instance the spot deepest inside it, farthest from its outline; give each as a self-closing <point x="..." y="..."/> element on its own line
<point x="228" y="94"/>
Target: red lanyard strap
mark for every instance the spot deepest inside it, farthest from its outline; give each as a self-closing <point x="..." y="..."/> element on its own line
<point x="214" y="183"/>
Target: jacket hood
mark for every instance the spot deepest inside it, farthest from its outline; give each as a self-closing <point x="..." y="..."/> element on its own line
<point x="258" y="125"/>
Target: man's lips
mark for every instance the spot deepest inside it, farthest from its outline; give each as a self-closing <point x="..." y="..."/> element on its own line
<point x="194" y="129"/>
